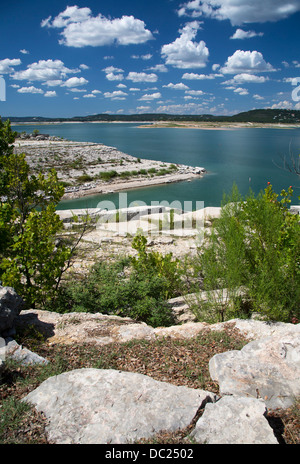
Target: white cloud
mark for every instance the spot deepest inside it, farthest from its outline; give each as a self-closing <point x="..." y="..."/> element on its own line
<point x="89" y="95"/>
<point x="184" y="52"/>
<point x="113" y="74"/>
<point x="74" y="89"/>
<point x="116" y="95"/>
<point x="81" y="28"/>
<point x="114" y="77"/>
<point x="193" y="76"/>
<point x="159" y="68"/>
<point x="186" y="108"/>
<point x="179" y="86"/>
<point x="50" y="93"/>
<point x="122" y="86"/>
<point x="195" y="92"/>
<point x="246" y="62"/>
<point x="246" y="77"/>
<point x="241" y="91"/>
<point x="24" y="51"/>
<point x="283" y="105"/>
<point x="96" y="91"/>
<point x="31" y="89"/>
<point x="6" y="65"/>
<point x="141" y="77"/>
<point x="143" y="57"/>
<point x="149" y="97"/>
<point x="258" y="97"/>
<point x="240" y="34"/>
<point x="241" y="11"/>
<point x="84" y="66"/>
<point x="75" y="81"/>
<point x="44" y="70"/>
<point x="143" y="108"/>
<point x="53" y="83"/>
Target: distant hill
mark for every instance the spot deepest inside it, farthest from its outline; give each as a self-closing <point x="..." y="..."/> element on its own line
<point x="255" y="116"/>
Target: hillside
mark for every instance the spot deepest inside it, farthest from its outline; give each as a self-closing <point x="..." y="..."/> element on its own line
<point x="255" y="116"/>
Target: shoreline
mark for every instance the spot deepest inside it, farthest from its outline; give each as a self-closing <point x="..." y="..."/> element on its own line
<point x="175" y="124"/>
<point x="120" y="186"/>
<point x="82" y="167"/>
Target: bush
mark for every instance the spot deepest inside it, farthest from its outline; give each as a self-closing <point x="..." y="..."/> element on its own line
<point x="254" y="250"/>
<point x="107" y="289"/>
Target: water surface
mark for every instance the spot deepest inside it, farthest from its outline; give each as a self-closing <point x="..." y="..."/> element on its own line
<point x="248" y="157"/>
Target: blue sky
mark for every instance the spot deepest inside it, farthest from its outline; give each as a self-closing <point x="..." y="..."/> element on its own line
<point x="64" y="59"/>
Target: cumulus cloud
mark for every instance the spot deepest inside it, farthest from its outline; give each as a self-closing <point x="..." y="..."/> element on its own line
<point x="75" y="81"/>
<point x="113" y="73"/>
<point x="44" y="70"/>
<point x="184" y="52"/>
<point x="241" y="91"/>
<point x="197" y="93"/>
<point x="80" y="28"/>
<point x="194" y="76"/>
<point x="186" y="108"/>
<point x="283" y="105"/>
<point x="179" y="86"/>
<point x="24" y="51"/>
<point x="241" y="11"/>
<point x="159" y="68"/>
<point x="50" y="93"/>
<point x="246" y="62"/>
<point x="241" y="34"/>
<point x="6" y="65"/>
<point x="246" y="77"/>
<point x="30" y="89"/>
<point x="116" y="95"/>
<point x="149" y="97"/>
<point x="141" y="77"/>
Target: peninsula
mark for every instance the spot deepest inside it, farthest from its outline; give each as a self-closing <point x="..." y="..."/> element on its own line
<point x="87" y="168"/>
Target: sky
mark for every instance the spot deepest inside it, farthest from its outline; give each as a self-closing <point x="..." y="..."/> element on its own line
<point x="78" y="58"/>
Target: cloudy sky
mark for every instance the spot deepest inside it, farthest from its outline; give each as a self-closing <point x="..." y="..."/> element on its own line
<point x="64" y="59"/>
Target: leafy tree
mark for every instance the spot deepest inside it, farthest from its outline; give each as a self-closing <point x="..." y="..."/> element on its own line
<point x="32" y="258"/>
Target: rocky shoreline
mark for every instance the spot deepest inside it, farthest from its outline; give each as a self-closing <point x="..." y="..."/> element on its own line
<point x="88" y="168"/>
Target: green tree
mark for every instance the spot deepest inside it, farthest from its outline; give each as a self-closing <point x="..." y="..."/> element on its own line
<point x="32" y="258"/>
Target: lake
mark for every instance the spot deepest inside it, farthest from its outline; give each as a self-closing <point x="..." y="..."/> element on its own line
<point x="250" y="157"/>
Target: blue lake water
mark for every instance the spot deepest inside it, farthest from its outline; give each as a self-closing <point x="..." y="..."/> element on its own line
<point x="248" y="157"/>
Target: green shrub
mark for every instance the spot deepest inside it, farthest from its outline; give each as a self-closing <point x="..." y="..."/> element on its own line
<point x="254" y="249"/>
<point x="107" y="175"/>
<point x="107" y="289"/>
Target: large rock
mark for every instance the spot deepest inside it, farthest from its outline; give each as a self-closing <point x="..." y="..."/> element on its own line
<point x="11" y="305"/>
<point x="100" y="406"/>
<point x="267" y="368"/>
<point x="234" y="420"/>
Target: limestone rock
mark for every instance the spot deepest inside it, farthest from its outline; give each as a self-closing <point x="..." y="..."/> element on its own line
<point x="234" y="420"/>
<point x="267" y="368"/>
<point x="11" y="305"/>
<point x="101" y="406"/>
<point x="77" y="327"/>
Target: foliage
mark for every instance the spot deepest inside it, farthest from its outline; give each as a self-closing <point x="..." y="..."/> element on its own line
<point x="113" y="288"/>
<point x="254" y="253"/>
<point x="154" y="263"/>
<point x="32" y="258"/>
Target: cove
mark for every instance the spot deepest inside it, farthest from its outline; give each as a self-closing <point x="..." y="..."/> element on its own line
<point x="249" y="157"/>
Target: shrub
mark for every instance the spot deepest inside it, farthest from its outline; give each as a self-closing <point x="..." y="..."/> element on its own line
<point x="108" y="290"/>
<point x="254" y="249"/>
